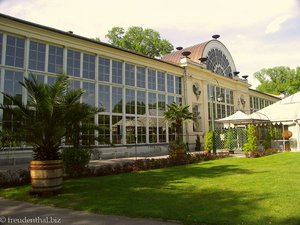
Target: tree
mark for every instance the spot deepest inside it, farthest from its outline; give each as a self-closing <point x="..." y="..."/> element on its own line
<point x="146" y="41"/>
<point x="176" y="114"/>
<point x="278" y="80"/>
<point x="50" y="111"/>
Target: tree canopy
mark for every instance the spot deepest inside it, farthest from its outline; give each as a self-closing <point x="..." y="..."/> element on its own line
<point x="278" y="80"/>
<point x="146" y="41"/>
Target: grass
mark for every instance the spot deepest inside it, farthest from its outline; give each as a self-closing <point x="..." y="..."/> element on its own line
<point x="227" y="191"/>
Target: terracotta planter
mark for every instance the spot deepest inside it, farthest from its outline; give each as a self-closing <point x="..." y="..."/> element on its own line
<point x="46" y="176"/>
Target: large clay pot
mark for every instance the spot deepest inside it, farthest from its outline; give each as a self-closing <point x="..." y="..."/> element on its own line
<point x="46" y="176"/>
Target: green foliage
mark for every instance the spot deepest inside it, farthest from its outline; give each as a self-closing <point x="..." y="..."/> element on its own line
<point x="278" y="80"/>
<point x="146" y="41"/>
<point x="177" y="150"/>
<point x="251" y="144"/>
<point x="52" y="111"/>
<point x="230" y="139"/>
<point x="208" y="141"/>
<point x="198" y="144"/>
<point x="7" y="139"/>
<point x="268" y="139"/>
<point x="231" y="190"/>
<point x="176" y="114"/>
<point x="75" y="161"/>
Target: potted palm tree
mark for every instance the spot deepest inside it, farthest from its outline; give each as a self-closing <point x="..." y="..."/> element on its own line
<point x="44" y="120"/>
<point x="176" y="114"/>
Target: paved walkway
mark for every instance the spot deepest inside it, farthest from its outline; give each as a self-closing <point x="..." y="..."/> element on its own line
<point x="16" y="212"/>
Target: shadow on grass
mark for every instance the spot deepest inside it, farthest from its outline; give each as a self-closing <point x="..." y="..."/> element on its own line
<point x="165" y="194"/>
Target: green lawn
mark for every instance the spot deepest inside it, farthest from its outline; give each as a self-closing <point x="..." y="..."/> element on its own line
<point x="226" y="191"/>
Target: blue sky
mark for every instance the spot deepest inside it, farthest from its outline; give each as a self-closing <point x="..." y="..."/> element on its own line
<point x="258" y="33"/>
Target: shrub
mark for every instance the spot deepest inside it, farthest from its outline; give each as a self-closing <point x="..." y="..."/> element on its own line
<point x="261" y="153"/>
<point x="208" y="141"/>
<point x="251" y="144"/>
<point x="14" y="178"/>
<point x="230" y="140"/>
<point x="75" y="161"/>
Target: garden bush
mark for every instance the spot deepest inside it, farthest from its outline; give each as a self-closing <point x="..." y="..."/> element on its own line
<point x="14" y="178"/>
<point x="75" y="161"/>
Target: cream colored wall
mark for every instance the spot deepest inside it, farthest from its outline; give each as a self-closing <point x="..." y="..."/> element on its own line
<point x="197" y="73"/>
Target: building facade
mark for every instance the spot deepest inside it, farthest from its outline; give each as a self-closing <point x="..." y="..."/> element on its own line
<point x="131" y="89"/>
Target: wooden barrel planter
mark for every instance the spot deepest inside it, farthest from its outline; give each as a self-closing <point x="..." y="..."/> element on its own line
<point x="46" y="176"/>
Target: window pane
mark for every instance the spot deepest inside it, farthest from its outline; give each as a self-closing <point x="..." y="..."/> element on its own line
<point x="55" y="63"/>
<point x="104" y="69"/>
<point x="161" y="104"/>
<point x="117" y="72"/>
<point x="129" y="74"/>
<point x="73" y="63"/>
<point x="12" y="85"/>
<point x="89" y="66"/>
<point x="104" y="131"/>
<point x="141" y="102"/>
<point x="130" y="101"/>
<point x="170" y="83"/>
<point x="152" y="104"/>
<point x="15" y="51"/>
<point x="141" y="77"/>
<point x="104" y="98"/>
<point x="178" y="85"/>
<point x="117" y="129"/>
<point x="161" y="81"/>
<point x="117" y="97"/>
<point x="37" y="54"/>
<point x="89" y="94"/>
<point x="130" y="130"/>
<point x="152" y="79"/>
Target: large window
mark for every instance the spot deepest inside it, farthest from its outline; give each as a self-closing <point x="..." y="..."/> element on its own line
<point x="141" y="102"/>
<point x="104" y="69"/>
<point x="73" y="63"/>
<point x="15" y="51"/>
<point x="12" y="85"/>
<point x="178" y="85"/>
<point x="37" y="55"/>
<point x="104" y="98"/>
<point x="129" y="75"/>
<point x="170" y="83"/>
<point x="130" y="101"/>
<point x="117" y="72"/>
<point x="161" y="81"/>
<point x="88" y="66"/>
<point x="151" y="79"/>
<point x="161" y="104"/>
<point x="55" y="63"/>
<point x="152" y="106"/>
<point x="104" y="131"/>
<point x="89" y="94"/>
<point x="141" y="77"/>
<point x="117" y="129"/>
<point x="117" y="97"/>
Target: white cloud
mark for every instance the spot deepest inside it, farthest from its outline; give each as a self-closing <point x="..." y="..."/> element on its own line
<point x="275" y="25"/>
<point x="244" y="26"/>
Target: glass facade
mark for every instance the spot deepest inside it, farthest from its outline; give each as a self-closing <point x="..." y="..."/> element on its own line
<point x="220" y="104"/>
<point x="257" y="103"/>
<point x="131" y="96"/>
